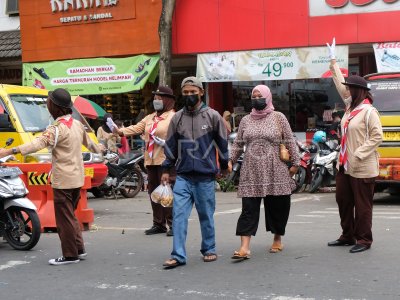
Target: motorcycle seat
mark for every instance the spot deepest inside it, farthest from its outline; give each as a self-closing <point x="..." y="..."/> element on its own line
<point x="129" y="158"/>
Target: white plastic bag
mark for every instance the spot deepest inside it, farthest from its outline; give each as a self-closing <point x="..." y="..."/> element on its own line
<point x="163" y="194"/>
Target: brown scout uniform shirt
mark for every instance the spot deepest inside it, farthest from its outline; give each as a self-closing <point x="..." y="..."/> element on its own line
<point x="144" y="127"/>
<point x="67" y="163"/>
<point x="363" y="158"/>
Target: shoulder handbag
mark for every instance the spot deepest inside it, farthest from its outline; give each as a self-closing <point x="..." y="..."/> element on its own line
<point x="283" y="151"/>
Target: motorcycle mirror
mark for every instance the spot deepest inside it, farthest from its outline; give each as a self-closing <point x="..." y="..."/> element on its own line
<point x="9" y="141"/>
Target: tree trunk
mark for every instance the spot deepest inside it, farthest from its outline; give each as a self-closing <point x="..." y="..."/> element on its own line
<point x="165" y="33"/>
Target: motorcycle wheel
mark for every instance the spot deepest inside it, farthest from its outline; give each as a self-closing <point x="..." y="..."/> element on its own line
<point x="316" y="181"/>
<point x="299" y="178"/>
<point x="27" y="233"/>
<point x="97" y="193"/>
<point x="133" y="183"/>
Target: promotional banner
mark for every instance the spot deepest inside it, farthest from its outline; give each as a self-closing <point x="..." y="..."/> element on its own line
<point x="92" y="76"/>
<point x="275" y="64"/>
<point x="387" y="57"/>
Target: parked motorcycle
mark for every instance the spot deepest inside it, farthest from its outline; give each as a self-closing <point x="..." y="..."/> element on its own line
<point x="234" y="174"/>
<point x="324" y="165"/>
<point x="19" y="221"/>
<point x="124" y="175"/>
<point x="303" y="175"/>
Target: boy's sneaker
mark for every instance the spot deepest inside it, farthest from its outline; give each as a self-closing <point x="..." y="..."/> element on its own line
<point x="63" y="261"/>
<point x="82" y="255"/>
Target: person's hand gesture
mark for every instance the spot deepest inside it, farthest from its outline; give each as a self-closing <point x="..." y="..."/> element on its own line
<point x="293" y="170"/>
<point x="165" y="178"/>
<point x="331" y="49"/>
<point x="4" y="152"/>
<point x="158" y="141"/>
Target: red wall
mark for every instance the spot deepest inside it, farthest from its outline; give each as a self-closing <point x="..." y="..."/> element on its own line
<point x="228" y="25"/>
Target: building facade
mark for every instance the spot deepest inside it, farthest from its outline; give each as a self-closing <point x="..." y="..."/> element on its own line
<point x="10" y="45"/>
<point x="233" y="28"/>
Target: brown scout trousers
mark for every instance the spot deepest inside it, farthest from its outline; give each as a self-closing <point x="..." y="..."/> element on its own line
<point x="68" y="228"/>
<point x="354" y="197"/>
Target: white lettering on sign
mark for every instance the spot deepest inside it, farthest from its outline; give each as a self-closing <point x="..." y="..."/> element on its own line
<point x="341" y="7"/>
<point x="93" y="79"/>
<point x="91" y="70"/>
<point x="65" y="5"/>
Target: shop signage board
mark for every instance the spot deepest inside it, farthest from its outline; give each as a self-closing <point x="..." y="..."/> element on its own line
<point x="274" y="64"/>
<point x="387" y="56"/>
<point x="72" y="12"/>
<point x="341" y="7"/>
<point x="92" y="76"/>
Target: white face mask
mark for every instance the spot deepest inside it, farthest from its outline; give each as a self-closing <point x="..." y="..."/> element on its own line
<point x="158" y="105"/>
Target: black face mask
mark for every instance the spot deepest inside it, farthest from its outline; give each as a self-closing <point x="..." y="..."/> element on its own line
<point x="190" y="100"/>
<point x="258" y="104"/>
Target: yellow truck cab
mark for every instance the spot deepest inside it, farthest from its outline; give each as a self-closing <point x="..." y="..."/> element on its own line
<point x="385" y="89"/>
<point x="24" y="116"/>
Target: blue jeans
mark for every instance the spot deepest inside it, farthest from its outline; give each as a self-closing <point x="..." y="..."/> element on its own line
<point x="202" y="194"/>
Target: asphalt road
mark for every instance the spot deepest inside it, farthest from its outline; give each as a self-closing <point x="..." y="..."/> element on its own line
<point x="123" y="263"/>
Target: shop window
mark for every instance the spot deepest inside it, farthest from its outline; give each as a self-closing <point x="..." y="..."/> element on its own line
<point x="12" y="7"/>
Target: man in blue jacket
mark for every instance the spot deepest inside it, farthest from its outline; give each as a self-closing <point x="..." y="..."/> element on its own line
<point x="195" y="134"/>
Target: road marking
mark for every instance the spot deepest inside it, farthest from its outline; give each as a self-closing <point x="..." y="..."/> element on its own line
<point x="95" y="228"/>
<point x="188" y="293"/>
<point x="238" y="210"/>
<point x="310" y="216"/>
<point x="13" y="263"/>
<point x="374" y="213"/>
<point x="300" y="222"/>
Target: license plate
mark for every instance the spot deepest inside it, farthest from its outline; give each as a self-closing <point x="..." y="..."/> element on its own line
<point x="391" y="136"/>
<point x="89" y="172"/>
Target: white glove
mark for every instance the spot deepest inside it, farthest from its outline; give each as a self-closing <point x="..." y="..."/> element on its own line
<point x="110" y="123"/>
<point x="158" y="141"/>
<point x="331" y="49"/>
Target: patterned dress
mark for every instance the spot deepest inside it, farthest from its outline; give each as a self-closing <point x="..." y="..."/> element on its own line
<point x="262" y="172"/>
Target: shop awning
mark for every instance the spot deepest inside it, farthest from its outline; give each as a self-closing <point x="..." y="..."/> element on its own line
<point x="10" y="44"/>
<point x="94" y="76"/>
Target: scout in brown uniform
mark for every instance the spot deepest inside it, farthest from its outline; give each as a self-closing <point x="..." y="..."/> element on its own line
<point x="64" y="139"/>
<point x="154" y="127"/>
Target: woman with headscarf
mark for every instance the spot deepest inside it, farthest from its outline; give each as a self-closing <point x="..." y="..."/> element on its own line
<point x="154" y="127"/>
<point x="361" y="134"/>
<point x="106" y="137"/>
<point x="263" y="174"/>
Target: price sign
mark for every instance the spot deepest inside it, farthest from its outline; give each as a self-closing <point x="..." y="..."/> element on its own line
<point x="272" y="64"/>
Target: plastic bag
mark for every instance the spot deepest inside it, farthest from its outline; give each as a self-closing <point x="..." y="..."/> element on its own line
<point x="163" y="194"/>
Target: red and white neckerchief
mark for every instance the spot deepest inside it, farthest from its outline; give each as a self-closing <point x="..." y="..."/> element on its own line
<point x="152" y="131"/>
<point x="66" y="120"/>
<point x="353" y="113"/>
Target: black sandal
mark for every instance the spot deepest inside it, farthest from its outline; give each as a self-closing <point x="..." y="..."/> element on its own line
<point x="209" y="257"/>
<point x="172" y="263"/>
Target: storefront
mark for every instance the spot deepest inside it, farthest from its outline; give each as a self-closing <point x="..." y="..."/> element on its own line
<point x="228" y="34"/>
<point x="104" y="50"/>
